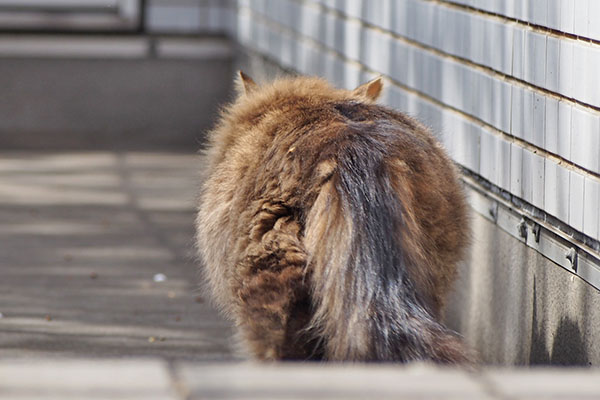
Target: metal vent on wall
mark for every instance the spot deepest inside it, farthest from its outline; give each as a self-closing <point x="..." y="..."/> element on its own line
<point x="70" y="15"/>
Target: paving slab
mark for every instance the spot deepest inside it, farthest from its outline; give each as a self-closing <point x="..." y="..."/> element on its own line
<point x="545" y="383"/>
<point x="327" y="381"/>
<point x="151" y="378"/>
<point x="100" y="299"/>
<point x="99" y="379"/>
<point x="96" y="258"/>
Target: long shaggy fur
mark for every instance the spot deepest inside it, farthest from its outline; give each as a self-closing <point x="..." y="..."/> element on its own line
<point x="329" y="226"/>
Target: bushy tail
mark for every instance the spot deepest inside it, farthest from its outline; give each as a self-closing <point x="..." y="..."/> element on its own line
<point x="366" y="308"/>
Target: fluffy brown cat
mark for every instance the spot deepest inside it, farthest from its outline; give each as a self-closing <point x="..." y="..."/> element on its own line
<point x="329" y="226"/>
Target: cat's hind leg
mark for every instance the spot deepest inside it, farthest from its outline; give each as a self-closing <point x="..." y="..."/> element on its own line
<point x="272" y="294"/>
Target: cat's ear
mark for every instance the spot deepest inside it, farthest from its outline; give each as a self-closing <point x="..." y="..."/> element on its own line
<point x="245" y="84"/>
<point x="370" y="90"/>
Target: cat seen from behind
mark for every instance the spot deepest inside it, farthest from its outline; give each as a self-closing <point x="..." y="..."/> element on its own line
<point x="329" y="226"/>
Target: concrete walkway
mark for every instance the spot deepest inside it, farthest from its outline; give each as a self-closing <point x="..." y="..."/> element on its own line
<point x="96" y="258"/>
<point x="99" y="299"/>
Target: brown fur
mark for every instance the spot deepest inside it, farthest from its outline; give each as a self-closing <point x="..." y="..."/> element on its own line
<point x="281" y="226"/>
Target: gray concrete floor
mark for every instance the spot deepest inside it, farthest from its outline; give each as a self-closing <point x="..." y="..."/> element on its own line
<point x="83" y="236"/>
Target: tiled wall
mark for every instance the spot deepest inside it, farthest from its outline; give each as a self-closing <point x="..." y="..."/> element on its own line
<point x="511" y="87"/>
<point x="190" y="16"/>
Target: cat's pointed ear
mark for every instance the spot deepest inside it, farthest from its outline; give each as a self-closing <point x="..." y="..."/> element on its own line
<point x="245" y="84"/>
<point x="370" y="90"/>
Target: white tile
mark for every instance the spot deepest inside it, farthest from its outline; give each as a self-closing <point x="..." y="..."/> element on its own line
<point x="351" y="75"/>
<point x="582" y="88"/>
<point x="522" y="10"/>
<point x="494" y="6"/>
<point x="377" y="14"/>
<point x="261" y="5"/>
<point x="539" y="12"/>
<point x="467" y="147"/>
<point x="556" y="187"/>
<point x="553" y="14"/>
<point x="413" y="67"/>
<point x="594" y="19"/>
<point x="399" y="15"/>
<point x="551" y="131"/>
<point x="287" y="51"/>
<point x="437" y="70"/>
<point x="490" y="43"/>
<point x="477" y="28"/>
<point x="539" y="119"/>
<point x="471" y="80"/>
<point x="552" y="63"/>
<point x="411" y="14"/>
<point x="527" y="176"/>
<point x="353" y="8"/>
<point x="426" y="31"/>
<point x="507" y="7"/>
<point x="567" y="15"/>
<point x="534" y="60"/>
<point x="452" y="123"/>
<point x="463" y="39"/>
<point x="564" y="129"/>
<point x="261" y="38"/>
<point x="518" y="52"/>
<point x="516" y="170"/>
<point x="328" y="30"/>
<point x="400" y="61"/>
<point x="379" y="52"/>
<point x="580" y="22"/>
<point x="439" y="26"/>
<point x="501" y="105"/>
<point x="537" y="179"/>
<point x="310" y="25"/>
<point x="565" y="68"/>
<point x="447" y="33"/>
<point x="398" y="99"/>
<point x="352" y="34"/>
<point x="484" y="106"/>
<point x="339" y="27"/>
<point x="503" y="167"/>
<point x="506" y="46"/>
<point x="585" y="139"/>
<point x="423" y="70"/>
<point x="289" y="12"/>
<point x="576" y="191"/>
<point x="528" y="115"/>
<point x="487" y="159"/>
<point x="518" y="114"/>
<point x="474" y="139"/>
<point x="244" y="31"/>
<point x="363" y="43"/>
<point x="432" y="116"/>
<point x="591" y="208"/>
<point x="593" y="76"/>
<point x="450" y="91"/>
<point x="498" y="47"/>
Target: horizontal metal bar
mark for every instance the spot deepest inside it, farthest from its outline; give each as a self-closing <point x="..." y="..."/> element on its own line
<point x="556" y="246"/>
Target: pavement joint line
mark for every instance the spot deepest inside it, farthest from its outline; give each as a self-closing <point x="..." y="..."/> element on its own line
<point x="489" y="387"/>
<point x="135" y="207"/>
<point x="178" y="384"/>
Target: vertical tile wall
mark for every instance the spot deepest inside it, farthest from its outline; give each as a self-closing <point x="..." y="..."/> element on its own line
<point x="511" y="88"/>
